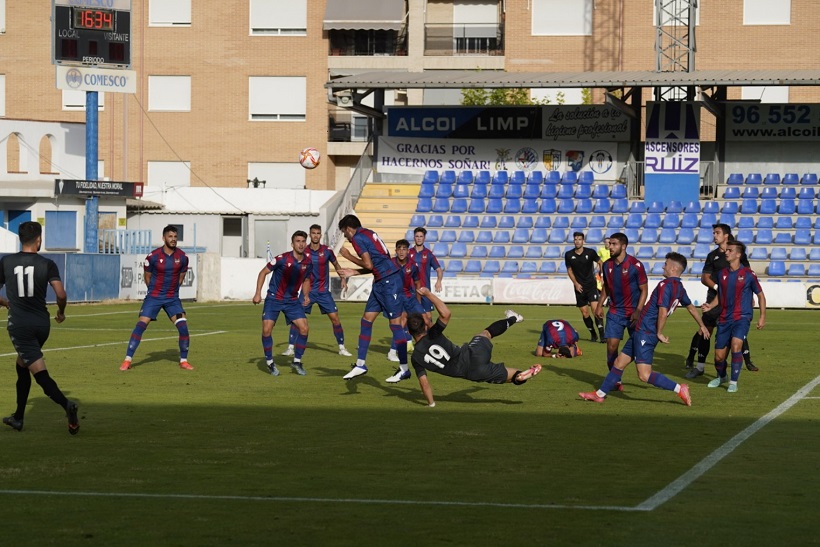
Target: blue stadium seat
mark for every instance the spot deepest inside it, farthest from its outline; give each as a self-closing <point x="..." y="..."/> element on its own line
<point x="807" y="192"/>
<point x="802" y="237"/>
<point x="778" y="253"/>
<point x="732" y="192"/>
<point x="529" y="267"/>
<point x="560" y="222"/>
<point x="484" y="236"/>
<point x="539" y="235"/>
<point x="529" y="206"/>
<point x="769" y="192"/>
<point x="578" y="223"/>
<point x="478" y="191"/>
<point x="454" y="266"/>
<point x="762" y="222"/>
<point x="558" y="235"/>
<point x="754" y="178"/>
<point x="655" y="207"/>
<point x="618" y="191"/>
<point x="759" y="253"/>
<point x="597" y="221"/>
<point x="620" y="205"/>
<point x="494" y="205"/>
<point x="524" y="221"/>
<point x="586" y="178"/>
<point x="514" y="191"/>
<point x="536" y="177"/>
<point x="534" y="251"/>
<point x="549" y="191"/>
<point x="409" y="235"/>
<point x="668" y="235"/>
<point x="521" y="235"/>
<point x="427" y="190"/>
<point x="816" y="239"/>
<point x="512" y="206"/>
<point x="459" y="205"/>
<point x="702" y="250"/>
<point x="532" y="190"/>
<point x="746" y="222"/>
<point x="506" y="222"/>
<point x="711" y="207"/>
<point x="734" y="178"/>
<point x="730" y="207"/>
<point x="685" y="251"/>
<point x="783" y="223"/>
<point x="483" y="177"/>
<point x="791" y="178"/>
<point x="798" y="253"/>
<point x="472" y="266"/>
<point x="671" y="220"/>
<point x="518" y="178"/>
<point x="649" y="235"/>
<point x="417" y="220"/>
<point x="615" y="222"/>
<point x="552" y="251"/>
<point x="583" y="192"/>
<point x="497" y="191"/>
<point x="479" y="251"/>
<point x="652" y="220"/>
<point x="566" y="191"/>
<point x="634" y="220"/>
<point x="440" y="249"/>
<point x="637" y="207"/>
<point x="764" y="237"/>
<point x="705" y="235"/>
<point x="600" y="191"/>
<point x="548" y="267"/>
<point x="461" y="191"/>
<point x="645" y="253"/>
<point x="796" y="270"/>
<point x="805" y="206"/>
<point x="686" y="236"/>
<point x="566" y="206"/>
<point x="569" y="177"/>
<point x="583" y="206"/>
<point x="515" y="251"/>
<point x="497" y="251"/>
<point x="786" y="207"/>
<point x="553" y="177"/>
<point x="802" y="223"/>
<point x="489" y="221"/>
<point x="491" y="267"/>
<point x="466" y="236"/>
<point x="465" y="177"/>
<point x="657" y="268"/>
<point x="458" y="250"/>
<point x="452" y="221"/>
<point x="814" y="270"/>
<point x="562" y="267"/>
<point x="707" y="219"/>
<point x="435" y="221"/>
<point x="425" y="205"/>
<point x="632" y="235"/>
<point x="447" y="236"/>
<point x="595" y="236"/>
<point x="477" y="205"/>
<point x="696" y="268"/>
<point x="674" y="206"/>
<point x="772" y="179"/>
<point x="548" y="206"/>
<point x="501" y="178"/>
<point x="447" y="177"/>
<point x="444" y="190"/>
<point x="727" y="218"/>
<point x="749" y="192"/>
<point x="746" y="236"/>
<point x="430" y="177"/>
<point x="788" y="192"/>
<point x="692" y="207"/>
<point x="783" y="238"/>
<point x="809" y="178"/>
<point x="689" y="220"/>
<point x="501" y="236"/>
<point x="441" y="205"/>
<point x="749" y="207"/>
<point x="602" y="205"/>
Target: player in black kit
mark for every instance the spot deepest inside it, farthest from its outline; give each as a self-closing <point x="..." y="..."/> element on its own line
<point x="472" y="361"/>
<point x="581" y="264"/>
<point x="27" y="276"/>
<point x="715" y="261"/>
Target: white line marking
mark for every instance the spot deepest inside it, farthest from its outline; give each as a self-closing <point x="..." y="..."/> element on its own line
<point x="700" y="468"/>
<point x="121" y="342"/>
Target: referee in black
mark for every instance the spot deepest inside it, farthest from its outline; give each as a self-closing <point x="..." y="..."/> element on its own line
<point x="26" y="276"/>
<point x="715" y="262"/>
<point x="581" y="264"/>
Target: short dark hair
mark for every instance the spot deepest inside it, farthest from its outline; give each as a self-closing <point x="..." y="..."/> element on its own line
<point x="421" y="229"/>
<point x="564" y="351"/>
<point x="416" y="324"/>
<point x="619" y="236"/>
<point x="29" y="231"/>
<point x="578" y="234"/>
<point x="170" y="228"/>
<point x="402" y="243"/>
<point x="679" y="258"/>
<point x="739" y="245"/>
<point x="725" y="228"/>
<point x="314" y="227"/>
<point x="350" y="221"/>
<point x="298" y="233"/>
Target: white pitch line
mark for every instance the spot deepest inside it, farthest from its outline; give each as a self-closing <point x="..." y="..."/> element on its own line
<point x="700" y="468"/>
<point x="119" y="343"/>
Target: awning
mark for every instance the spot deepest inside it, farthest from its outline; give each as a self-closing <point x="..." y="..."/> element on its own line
<point x="364" y="15"/>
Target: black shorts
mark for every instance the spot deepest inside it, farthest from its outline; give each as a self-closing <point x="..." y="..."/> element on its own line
<point x="710" y="318"/>
<point x="28" y="342"/>
<point x="476" y="364"/>
<point x="587" y="295"/>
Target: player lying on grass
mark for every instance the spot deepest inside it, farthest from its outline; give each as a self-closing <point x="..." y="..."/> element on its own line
<point x="559" y="335"/>
<point x="472" y="361"/>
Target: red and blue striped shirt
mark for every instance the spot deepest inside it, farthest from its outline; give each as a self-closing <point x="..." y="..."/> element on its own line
<point x="735" y="289"/>
<point x="668" y="294"/>
<point x="289" y="273"/>
<point x="426" y="262"/>
<point x="165" y="272"/>
<point x="368" y="241"/>
<point x="322" y="258"/>
<point x="623" y="284"/>
<point x="409" y="276"/>
<point x="556" y="333"/>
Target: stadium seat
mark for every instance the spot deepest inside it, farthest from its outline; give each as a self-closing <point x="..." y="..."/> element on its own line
<point x="816" y="239"/>
<point x="620" y="205"/>
<point x="686" y="251"/>
<point x="560" y="222"/>
<point x="772" y="179"/>
<point x="459" y="205"/>
<point x="783" y="238"/>
<point x="461" y="191"/>
<point x="746" y="236"/>
<point x="749" y="207"/>
<point x="447" y="177"/>
<point x="696" y="268"/>
<point x="814" y="270"/>
<point x="667" y="235"/>
<point x="692" y="207"/>
<point x="754" y="178"/>
<point x="578" y="223"/>
<point x="783" y="223"/>
<point x="478" y="191"/>
<point x="444" y="190"/>
<point x="549" y="191"/>
<point x="427" y="190"/>
<point x="763" y="222"/>
<point x="430" y="177"/>
<point x="529" y="267"/>
<point x="734" y="178"/>
<point x="484" y="236"/>
<point x="686" y="236"/>
<point x="632" y="235"/>
<point x="732" y="192"/>
<point x="791" y="178"/>
<point x="586" y="178"/>
<point x="452" y="221"/>
<point x="465" y="177"/>
<point x="521" y="235"/>
<point x="529" y="206"/>
<point x="749" y="192"/>
<point x="802" y="237"/>
<point x="409" y="235"/>
<point x="615" y="222"/>
<point x="768" y="193"/>
<point x="558" y="235"/>
<point x="802" y="223"/>
<point x="472" y="266"/>
<point x="458" y="250"/>
<point x="536" y="177"/>
<point x="689" y="220"/>
<point x="501" y="178"/>
<point x="497" y="191"/>
<point x="514" y="191"/>
<point x="707" y="219"/>
<point x="798" y="253"/>
<point x="652" y="220"/>
<point x="518" y="178"/>
<point x="441" y="205"/>
<point x="435" y="221"/>
<point x="583" y="192"/>
<point x="705" y="235"/>
<point x="778" y="253"/>
<point x="425" y="205"/>
<point x="746" y="222"/>
<point x="786" y="207"/>
<point x="712" y="207"/>
<point x="671" y="220"/>
<point x="806" y="193"/>
<point x="597" y="221"/>
<point x="805" y="206"/>
<point x="674" y="206"/>
<point x="618" y="191"/>
<point x="501" y="236"/>
<point x="506" y="222"/>
<point x="566" y="191"/>
<point x="548" y="206"/>
<point x="657" y="268"/>
<point x="602" y="205"/>
<point x="569" y="177"/>
<point x="447" y="236"/>
<point x="483" y="177"/>
<point x="534" y="251"/>
<point x="491" y="267"/>
<point x="566" y="206"/>
<point x="727" y="218"/>
<point x="701" y="251"/>
<point x="645" y="253"/>
<point x="454" y="266"/>
<point x="440" y="249"/>
<point x="638" y="207"/>
<point x="515" y="251"/>
<point x="788" y="192"/>
<point x="634" y="220"/>
<point x="466" y="236"/>
<point x="497" y="251"/>
<point x="759" y="253"/>
<point x="583" y="206"/>
<point x="512" y="206"/>
<point x="562" y="267"/>
<point x="730" y="207"/>
<point x="595" y="236"/>
<point x="532" y="191"/>
<point x="489" y="221"/>
<point x="548" y="267"/>
<point x="600" y="191"/>
<point x="796" y="270"/>
<point x="764" y="237"/>
<point x="479" y="251"/>
<point x="809" y="178"/>
<point x="524" y="221"/>
<point x="539" y="235"/>
<point x="655" y="207"/>
<point x="494" y="206"/>
<point x="552" y="251"/>
<point x="649" y="235"/>
<point x="543" y="222"/>
<point x="417" y="220"/>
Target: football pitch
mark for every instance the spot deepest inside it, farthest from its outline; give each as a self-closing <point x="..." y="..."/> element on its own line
<point x="227" y="454"/>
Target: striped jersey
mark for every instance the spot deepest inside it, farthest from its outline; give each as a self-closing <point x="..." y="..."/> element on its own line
<point x="735" y="289"/>
<point x="556" y="333"/>
<point x="426" y="262"/>
<point x="409" y="276"/>
<point x="668" y="294"/>
<point x="166" y="272"/>
<point x="623" y="284"/>
<point x="288" y="275"/>
<point x="368" y="241"/>
<point x="322" y="258"/>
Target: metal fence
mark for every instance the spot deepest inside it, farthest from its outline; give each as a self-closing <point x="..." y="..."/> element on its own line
<point x="346" y="203"/>
<point x="125" y="242"/>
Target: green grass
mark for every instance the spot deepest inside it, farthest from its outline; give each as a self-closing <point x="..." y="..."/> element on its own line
<point x="271" y="460"/>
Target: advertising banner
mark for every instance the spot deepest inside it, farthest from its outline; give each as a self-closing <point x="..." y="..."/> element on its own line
<point x="672" y="152"/>
<point x="772" y="122"/>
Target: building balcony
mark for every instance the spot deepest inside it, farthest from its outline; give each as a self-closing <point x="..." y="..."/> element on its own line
<point x="445" y="39"/>
<point x="367" y="43"/>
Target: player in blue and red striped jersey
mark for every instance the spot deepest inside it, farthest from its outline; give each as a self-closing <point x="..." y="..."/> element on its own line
<point x="559" y="335"/>
<point x="322" y="257"/>
<point x="640" y="347"/>
<point x="384" y="297"/>
<point x="735" y="287"/>
<point x="427" y="263"/>
<point x="164" y="270"/>
<point x="625" y="284"/>
<point x="411" y="301"/>
<point x="292" y="272"/>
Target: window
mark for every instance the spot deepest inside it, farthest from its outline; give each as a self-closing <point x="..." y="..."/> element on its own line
<point x="767" y="12"/>
<point x="562" y="17"/>
<point x="168" y="13"/>
<point x="2" y="16"/>
<point x="277" y="98"/>
<point x="2" y="93"/>
<point x="275" y="17"/>
<point x="74" y="100"/>
<point x="60" y="231"/>
<point x="169" y="93"/>
<point x="278" y="175"/>
<point x="772" y="94"/>
<point x="165" y="174"/>
<point x="475" y="26"/>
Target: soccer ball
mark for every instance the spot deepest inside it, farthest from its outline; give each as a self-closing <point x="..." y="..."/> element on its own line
<point x="309" y="158"/>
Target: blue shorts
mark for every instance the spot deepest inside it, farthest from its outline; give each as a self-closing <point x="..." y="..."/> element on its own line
<point x="291" y="308"/>
<point x="324" y="300"/>
<point x="386" y="297"/>
<point x="641" y="347"/>
<point x="731" y="329"/>
<point x="151" y="306"/>
<point x="426" y="305"/>
<point x="616" y="325"/>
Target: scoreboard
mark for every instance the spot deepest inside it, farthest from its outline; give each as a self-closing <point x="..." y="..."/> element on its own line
<point x="92" y="33"/>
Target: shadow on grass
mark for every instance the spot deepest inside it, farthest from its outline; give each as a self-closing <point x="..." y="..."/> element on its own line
<point x="153" y="357"/>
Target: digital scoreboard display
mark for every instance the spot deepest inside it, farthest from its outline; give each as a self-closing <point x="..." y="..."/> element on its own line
<point x="89" y="35"/>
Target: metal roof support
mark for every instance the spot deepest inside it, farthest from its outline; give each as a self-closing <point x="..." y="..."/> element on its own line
<point x="675" y="44"/>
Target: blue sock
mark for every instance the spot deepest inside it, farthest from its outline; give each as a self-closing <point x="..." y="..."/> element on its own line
<point x="294" y="332"/>
<point x="136" y="338"/>
<point x="299" y="346"/>
<point x="400" y="341"/>
<point x="720" y="367"/>
<point x="659" y="380"/>
<point x="364" y="339"/>
<point x="184" y="338"/>
<point x="339" y="333"/>
<point x="267" y="347"/>
<point x="737" y="364"/>
<point x="611" y="379"/>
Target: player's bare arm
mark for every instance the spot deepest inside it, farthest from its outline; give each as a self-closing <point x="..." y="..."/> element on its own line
<point x="62" y="299"/>
<point x="571" y="275"/>
<point x="641" y="302"/>
<point x="424" y="384"/>
<point x="761" y="301"/>
<point x="440" y="274"/>
<point x="306" y="292"/>
<point x="663" y="313"/>
<point x="599" y="310"/>
<point x="693" y="311"/>
<point x="147" y="278"/>
<point x="260" y="281"/>
<point x="441" y="307"/>
<point x="338" y="269"/>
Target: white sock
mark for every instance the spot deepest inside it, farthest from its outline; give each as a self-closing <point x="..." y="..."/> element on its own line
<point x="600" y="393"/>
<point x="700" y="366"/>
<point x="404" y="367"/>
<point x="360" y="363"/>
<point x="677" y="388"/>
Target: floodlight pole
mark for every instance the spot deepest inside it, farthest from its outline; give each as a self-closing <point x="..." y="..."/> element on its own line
<point x="92" y="203"/>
